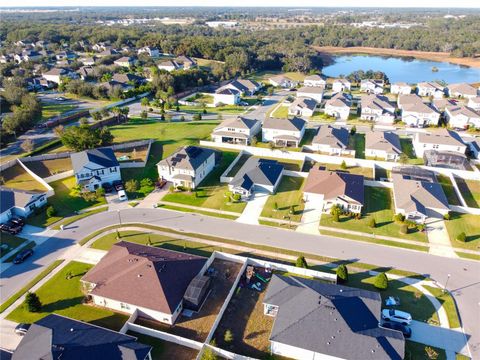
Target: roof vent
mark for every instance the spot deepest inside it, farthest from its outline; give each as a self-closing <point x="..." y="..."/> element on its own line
<point x="71" y="329"/>
<point x="139" y="275"/>
<point x="328" y="342"/>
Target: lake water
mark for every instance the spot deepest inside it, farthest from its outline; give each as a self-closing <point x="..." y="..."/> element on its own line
<point x="402" y="69"/>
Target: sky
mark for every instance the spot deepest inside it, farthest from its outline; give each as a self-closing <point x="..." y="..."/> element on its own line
<point x="247" y="3"/>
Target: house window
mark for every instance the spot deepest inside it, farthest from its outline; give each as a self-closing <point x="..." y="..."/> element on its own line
<point x="124" y="306"/>
<point x="113" y="170"/>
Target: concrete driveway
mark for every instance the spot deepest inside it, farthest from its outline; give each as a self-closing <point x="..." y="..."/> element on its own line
<point x="254" y="208"/>
<point x="311" y="216"/>
<point x="90" y="256"/>
<point x="8" y="339"/>
<point x="438" y="238"/>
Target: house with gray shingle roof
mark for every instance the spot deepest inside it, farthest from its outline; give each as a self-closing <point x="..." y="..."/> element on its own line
<point x="338" y="106"/>
<point x="332" y="141"/>
<point x="377" y="108"/>
<point x="239" y="130"/>
<point x="283" y="132"/>
<point x="313" y="92"/>
<point x="400" y="88"/>
<point x="340" y="85"/>
<point x="314" y="80"/>
<point x="317" y="320"/>
<point x="462" y="117"/>
<point x="226" y="96"/>
<point x="382" y="144"/>
<point x="14" y="202"/>
<point x="95" y="167"/>
<point x="187" y="167"/>
<point x="372" y="86"/>
<point x="244" y="86"/>
<point x="462" y="90"/>
<point x="474" y="103"/>
<point x="416" y="113"/>
<point x="440" y="140"/>
<point x="303" y="106"/>
<point x="430" y="89"/>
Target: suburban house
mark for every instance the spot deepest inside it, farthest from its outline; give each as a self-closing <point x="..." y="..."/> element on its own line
<point x="416" y="113"/>
<point x="282" y="81"/>
<point x="400" y="88"/>
<point x="128" y="78"/>
<point x="124" y="61"/>
<point x="372" y="86"/>
<point x="87" y="61"/>
<point x="441" y="104"/>
<point x="93" y="168"/>
<point x="462" y="90"/>
<point x="314" y="81"/>
<point x="383" y="145"/>
<point x="283" y="132"/>
<point x="341" y="85"/>
<point x="315" y="93"/>
<point x="257" y="175"/>
<point x="377" y="108"/>
<point x="59" y="337"/>
<point x="112" y="84"/>
<point x="332" y="141"/>
<point x="328" y="188"/>
<point x="239" y="130"/>
<point x="147" y="279"/>
<point x="441" y="140"/>
<point x="108" y="52"/>
<point x="474" y="147"/>
<point x="187" y="167"/>
<point x="430" y="89"/>
<point x="169" y="65"/>
<point x="226" y="96"/>
<point x="462" y="117"/>
<point x="15" y="202"/>
<point x="244" y="86"/>
<point x="317" y="320"/>
<point x="338" y="106"/>
<point x="55" y="75"/>
<point x="86" y="72"/>
<point x="474" y="103"/>
<point x="150" y="51"/>
<point x="417" y="194"/>
<point x="186" y="62"/>
<point x="302" y="106"/>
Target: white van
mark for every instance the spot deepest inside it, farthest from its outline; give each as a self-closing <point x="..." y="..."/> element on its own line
<point x="122" y="196"/>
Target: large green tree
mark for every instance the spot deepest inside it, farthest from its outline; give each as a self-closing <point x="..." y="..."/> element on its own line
<point x="79" y="138"/>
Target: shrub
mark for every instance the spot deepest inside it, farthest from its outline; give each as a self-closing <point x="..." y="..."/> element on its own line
<point x="50" y="211"/>
<point x="462" y="237"/>
<point x="147" y="182"/>
<point x="399" y="217"/>
<point x="32" y="302"/>
<point x="381" y="281"/>
<point x="131" y="185"/>
<point x="420" y="227"/>
<point x="301" y="262"/>
<point x="335" y="209"/>
<point x="404" y="229"/>
<point x="336" y="217"/>
<point x="342" y="274"/>
<point x="99" y="192"/>
<point x="197" y="117"/>
<point x="447" y="216"/>
<point x="237" y="197"/>
<point x="343" y="165"/>
<point x="228" y="336"/>
<point x="353" y="130"/>
<point x="372" y="223"/>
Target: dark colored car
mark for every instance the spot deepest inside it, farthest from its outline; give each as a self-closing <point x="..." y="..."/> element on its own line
<point x="18" y="221"/>
<point x="22" y="256"/>
<point x="10" y="228"/>
<point x="161" y="183"/>
<point x="118" y="185"/>
<point x="107" y="187"/>
<point x="21" y="329"/>
<point x="406" y="331"/>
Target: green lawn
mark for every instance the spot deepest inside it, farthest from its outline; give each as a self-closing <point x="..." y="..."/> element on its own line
<point x="9" y="242"/>
<point x="63" y="203"/>
<point x="288" y="164"/>
<point x="281" y="112"/>
<point x="211" y="193"/>
<point x="16" y="177"/>
<point x="320" y="116"/>
<point x="416" y="351"/>
<point x="470" y="190"/>
<point x="201" y="98"/>
<point x="65" y="297"/>
<point x="407" y="148"/>
<point x="51" y="110"/>
<point x="448" y="189"/>
<point x="366" y="172"/>
<point x="226" y="109"/>
<point x="379" y="205"/>
<point x="467" y="223"/>
<point x="289" y="193"/>
<point x="357" y="142"/>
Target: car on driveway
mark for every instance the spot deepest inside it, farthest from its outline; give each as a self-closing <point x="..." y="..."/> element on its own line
<point x="18" y="221"/>
<point x="10" y="228"/>
<point x="398" y="316"/>
<point x="21" y="329"/>
<point x="122" y="195"/>
<point x="22" y="256"/>
<point x="406" y="331"/>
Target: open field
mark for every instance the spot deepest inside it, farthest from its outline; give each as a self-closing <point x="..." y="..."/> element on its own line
<point x="289" y="193"/>
<point x="448" y="190"/>
<point x="470" y="225"/>
<point x="425" y="55"/>
<point x="55" y="109"/>
<point x="470" y="190"/>
<point x="265" y="75"/>
<point x="48" y="168"/>
<point x="378" y="204"/>
<point x="17" y="178"/>
<point x="65" y="297"/>
<point x="165" y="349"/>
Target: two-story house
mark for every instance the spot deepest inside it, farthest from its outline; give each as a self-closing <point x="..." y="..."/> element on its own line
<point x="377" y="108"/>
<point x="303" y="106"/>
<point x="462" y="90"/>
<point x="313" y="92"/>
<point x="341" y="85"/>
<point x="430" y="89"/>
<point x="462" y="117"/>
<point x="314" y="81"/>
<point x="440" y="140"/>
<point x="239" y="130"/>
<point x="125" y="61"/>
<point x="400" y="88"/>
<point x="338" y="106"/>
<point x="244" y="86"/>
<point x="416" y="113"/>
<point x="226" y="96"/>
<point x="332" y="141"/>
<point x="150" y="51"/>
<point x="372" y="86"/>
<point x="283" y="132"/>
<point x="383" y="145"/>
<point x="15" y="202"/>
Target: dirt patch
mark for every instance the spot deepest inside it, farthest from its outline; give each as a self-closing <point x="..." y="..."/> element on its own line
<point x="48" y="168"/>
<point x="136" y="154"/>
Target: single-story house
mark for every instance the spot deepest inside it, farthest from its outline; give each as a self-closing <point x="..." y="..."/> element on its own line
<point x="314" y="81"/>
<point x="462" y="117"/>
<point x="186" y="62"/>
<point x="338" y="106"/>
<point x="283" y="132"/>
<point x="341" y="85"/>
<point x="125" y="61"/>
<point x="58" y="337"/>
<point x="318" y="320"/>
<point x="239" y="130"/>
<point x="187" y="167"/>
<point x="372" y="86"/>
<point x="377" y="108"/>
<point x="303" y="106"/>
<point x="328" y="188"/>
<point x="147" y="279"/>
<point x="332" y="141"/>
<point x="417" y="194"/>
<point x="462" y="90"/>
<point x="14" y="202"/>
<point x="313" y="92"/>
<point x="169" y="65"/>
<point x="430" y="89"/>
<point x="93" y="168"/>
<point x="440" y="140"/>
<point x="382" y="144"/>
<point x="226" y="96"/>
<point x="128" y="79"/>
<point x="400" y="88"/>
<point x="55" y="75"/>
<point x="257" y="175"/>
<point x="282" y="81"/>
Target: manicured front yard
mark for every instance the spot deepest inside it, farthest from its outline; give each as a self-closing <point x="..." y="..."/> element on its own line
<point x="16" y="177"/>
<point x="470" y="190"/>
<point x="65" y="297"/>
<point x="9" y="242"/>
<point x="448" y="189"/>
<point x="467" y="223"/>
<point x="379" y="205"/>
<point x="289" y="193"/>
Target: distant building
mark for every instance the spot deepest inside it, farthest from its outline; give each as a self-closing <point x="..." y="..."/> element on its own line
<point x="186" y="62"/>
<point x="169" y="65"/>
<point x="282" y="81"/>
<point x="14" y="202"/>
<point x="314" y="81"/>
<point x="244" y="86"/>
<point x="150" y="51"/>
<point x="462" y="90"/>
<point x="430" y="89"/>
<point x="124" y="61"/>
<point x="302" y="106"/>
<point x="283" y="132"/>
<point x="372" y="86"/>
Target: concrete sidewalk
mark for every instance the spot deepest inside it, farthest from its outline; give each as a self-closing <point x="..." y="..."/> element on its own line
<point x="439" y="239"/>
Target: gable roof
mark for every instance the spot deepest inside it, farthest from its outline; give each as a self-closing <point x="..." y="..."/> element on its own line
<point x="431" y="85"/>
<point x="239" y="122"/>
<point x="244" y="85"/>
<point x="456" y="110"/>
<point x="383" y="140"/>
<point x="227" y="91"/>
<point x="257" y="171"/>
<point x="311" y="90"/>
<point x="10" y="198"/>
<point x="295" y="124"/>
<point x="339" y="100"/>
<point x="104" y="157"/>
<point x="125" y="78"/>
<point x="330" y="319"/>
<point x="441" y="136"/>
<point x="462" y="88"/>
<point x="333" y="184"/>
<point x="159" y="276"/>
<point x="314" y="77"/>
<point x="305" y="103"/>
<point x="336" y="137"/>
<point x="188" y="158"/>
<point x="57" y="337"/>
<point x="376" y="102"/>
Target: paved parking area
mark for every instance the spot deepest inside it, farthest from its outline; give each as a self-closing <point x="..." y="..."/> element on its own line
<point x="253" y="209"/>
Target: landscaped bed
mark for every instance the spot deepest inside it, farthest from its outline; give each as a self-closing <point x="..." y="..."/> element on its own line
<point x="467" y="223"/>
<point x="65" y="297"/>
<point x="289" y="193"/>
<point x="46" y="168"/>
<point x="379" y="205"/>
<point x="16" y="177"/>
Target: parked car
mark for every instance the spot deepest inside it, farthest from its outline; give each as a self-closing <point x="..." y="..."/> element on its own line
<point x="398" y="316"/>
<point x="118" y="185"/>
<point x="161" y="183"/>
<point x="18" y="221"/>
<point x="60" y="98"/>
<point x="107" y="187"/>
<point x="406" y="331"/>
<point x="10" y="228"/>
<point x="21" y="329"/>
<point x="22" y="256"/>
<point x="122" y="195"/>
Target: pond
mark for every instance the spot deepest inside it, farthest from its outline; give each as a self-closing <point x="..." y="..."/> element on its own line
<point x="403" y="69"/>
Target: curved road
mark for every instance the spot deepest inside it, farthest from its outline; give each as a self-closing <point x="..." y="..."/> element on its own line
<point x="464" y="280"/>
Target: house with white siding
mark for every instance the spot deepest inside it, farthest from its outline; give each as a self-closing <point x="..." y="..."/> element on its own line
<point x="150" y="51"/>
<point x="244" y="86"/>
<point x="382" y="145"/>
<point x="440" y="140"/>
<point x="462" y="117"/>
<point x="169" y="65"/>
<point x="238" y="130"/>
<point x="282" y="81"/>
<point x="14" y="202"/>
<point x="341" y="85"/>
<point x="400" y="88"/>
<point x="314" y="81"/>
<point x="416" y="113"/>
<point x="283" y="132"/>
<point x="474" y="103"/>
<point x="312" y="92"/>
<point x="372" y="86"/>
<point x="332" y="140"/>
<point x="226" y="96"/>
<point x="430" y="89"/>
<point x="303" y="106"/>
<point x="462" y="90"/>
<point x="338" y="106"/>
<point x="377" y="108"/>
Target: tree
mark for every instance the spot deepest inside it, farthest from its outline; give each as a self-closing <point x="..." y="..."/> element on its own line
<point x="353" y="130"/>
<point x="228" y="336"/>
<point x="100" y="192"/>
<point x="301" y="262"/>
<point x="27" y="145"/>
<point x="96" y="115"/>
<point x="144" y="102"/>
<point x="342" y="274"/>
<point x="58" y="130"/>
<point x="275" y="206"/>
<point x="32" y="302"/>
<point x="381" y="281"/>
<point x="50" y="211"/>
<point x="461" y="237"/>
<point x="343" y="165"/>
<point x="403" y="159"/>
<point x="144" y="114"/>
<point x="131" y="185"/>
<point x="372" y="223"/>
<point x="79" y="138"/>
